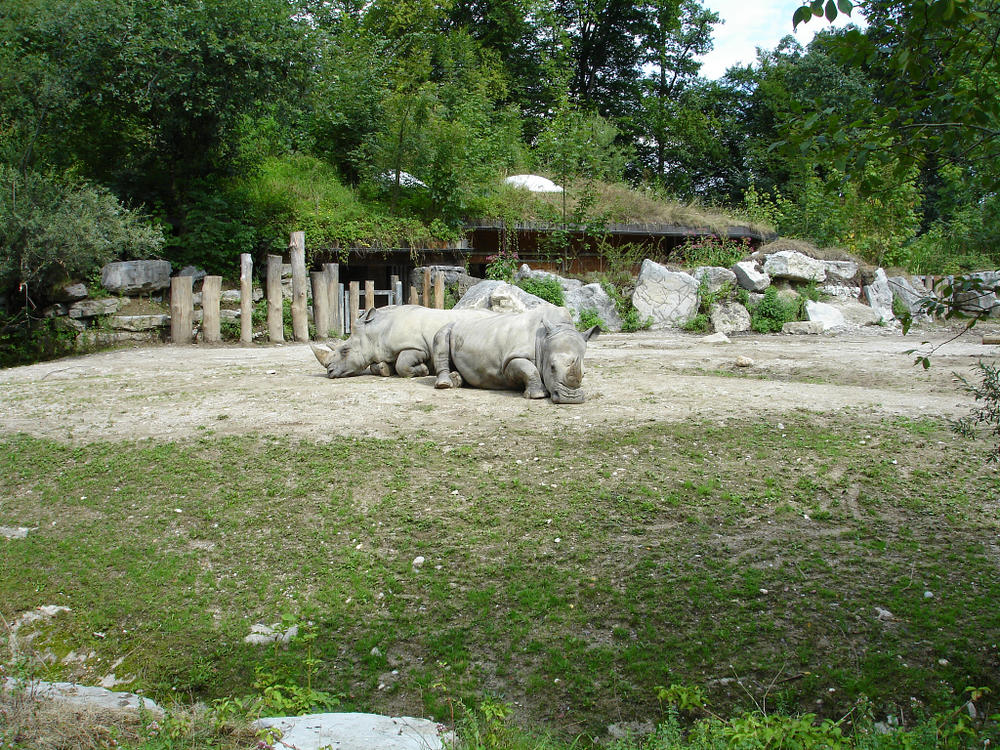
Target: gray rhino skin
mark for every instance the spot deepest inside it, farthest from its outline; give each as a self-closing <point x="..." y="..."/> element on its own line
<point x="538" y="351"/>
<point x="390" y="339"/>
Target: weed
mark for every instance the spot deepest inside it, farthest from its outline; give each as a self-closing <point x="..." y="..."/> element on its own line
<point x="589" y="319"/>
<point x="548" y="289"/>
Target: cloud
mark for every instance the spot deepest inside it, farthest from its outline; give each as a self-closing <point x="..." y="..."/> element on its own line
<point x="750" y="24"/>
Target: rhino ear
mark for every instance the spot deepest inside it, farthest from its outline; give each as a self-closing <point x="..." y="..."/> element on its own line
<point x="548" y="326"/>
<point x="367" y="316"/>
<point x="591" y="333"/>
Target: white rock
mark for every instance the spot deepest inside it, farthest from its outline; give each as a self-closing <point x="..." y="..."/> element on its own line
<point x="346" y="731"/>
<point x="788" y="264"/>
<point x="828" y="315"/>
<point x="16" y="532"/>
<point x="84" y="696"/>
<point x="715" y="277"/>
<point x="803" y="327"/>
<point x="840" y="271"/>
<point x="729" y="317"/>
<point x="750" y="277"/>
<point x="716" y="338"/>
<point x="879" y="296"/>
<point x="418" y="561"/>
<point x="744" y="362"/>
<point x="670" y="298"/>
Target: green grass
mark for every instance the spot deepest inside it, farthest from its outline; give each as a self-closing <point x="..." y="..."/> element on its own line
<point x="569" y="577"/>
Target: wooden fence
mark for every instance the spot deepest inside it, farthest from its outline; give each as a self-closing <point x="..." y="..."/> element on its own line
<point x="334" y="307"/>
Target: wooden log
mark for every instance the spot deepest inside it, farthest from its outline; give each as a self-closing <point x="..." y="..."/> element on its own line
<point x="393" y="283"/>
<point x="414" y="295"/>
<point x="354" y="304"/>
<point x="300" y="316"/>
<point x="439" y="291"/>
<point x="321" y="305"/>
<point x="397" y="290"/>
<point x="427" y="288"/>
<point x="275" y="323"/>
<point x="369" y="295"/>
<point x="336" y="310"/>
<point x="991" y="338"/>
<point x="181" y="309"/>
<point x="246" y="298"/>
<point x="211" y="291"/>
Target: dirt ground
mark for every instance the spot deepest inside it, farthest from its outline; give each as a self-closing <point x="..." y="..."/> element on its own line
<point x="170" y="392"/>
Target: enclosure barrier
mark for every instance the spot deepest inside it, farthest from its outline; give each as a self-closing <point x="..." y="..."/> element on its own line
<point x="333" y="310"/>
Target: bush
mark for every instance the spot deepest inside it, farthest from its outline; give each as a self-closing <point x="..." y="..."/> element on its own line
<point x="589" y="319"/>
<point x="549" y="290"/>
<point x="772" y="312"/>
<point x="52" y="229"/>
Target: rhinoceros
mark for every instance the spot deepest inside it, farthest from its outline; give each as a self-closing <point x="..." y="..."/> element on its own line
<point x="390" y="339"/>
<point x="539" y="351"/>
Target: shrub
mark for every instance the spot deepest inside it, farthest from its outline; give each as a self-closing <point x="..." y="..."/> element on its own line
<point x="549" y="290"/>
<point x="712" y="250"/>
<point x="772" y="312"/>
<point x="700" y="323"/>
<point x="589" y="319"/>
<point x="52" y="229"/>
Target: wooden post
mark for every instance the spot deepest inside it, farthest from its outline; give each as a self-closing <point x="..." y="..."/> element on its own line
<point x="211" y="289"/>
<point x="300" y="319"/>
<point x="354" y="304"/>
<point x="397" y="289"/>
<point x="275" y="324"/>
<point x="393" y="283"/>
<point x="369" y="295"/>
<point x="246" y="298"/>
<point x="344" y="325"/>
<point x="439" y="290"/>
<point x="427" y="287"/>
<point x="181" y="309"/>
<point x="321" y="305"/>
<point x="332" y="273"/>
<point x="414" y="295"/>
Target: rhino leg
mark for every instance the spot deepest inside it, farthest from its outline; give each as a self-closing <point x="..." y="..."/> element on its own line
<point x="383" y="369"/>
<point x="446" y="378"/>
<point x="523" y="371"/>
<point x="411" y="363"/>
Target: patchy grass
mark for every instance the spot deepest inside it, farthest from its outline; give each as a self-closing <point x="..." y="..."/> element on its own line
<point x="568" y="576"/>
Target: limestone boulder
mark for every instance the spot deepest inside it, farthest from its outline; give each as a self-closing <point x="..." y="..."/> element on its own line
<point x="526" y="272"/>
<point x="750" y="277"/>
<point x="355" y="731"/>
<point x="826" y="314"/>
<point x="90" y="308"/>
<point x="854" y="312"/>
<point x="714" y="277"/>
<point x="593" y="297"/>
<point x="455" y="277"/>
<point x="794" y="266"/>
<point x="910" y="292"/>
<point x="139" y="322"/>
<point x="840" y="291"/>
<point x="840" y="271"/>
<point x="499" y="296"/>
<point x="879" y="297"/>
<point x="132" y="277"/>
<point x="669" y="298"/>
<point x="729" y="317"/>
<point x="983" y="302"/>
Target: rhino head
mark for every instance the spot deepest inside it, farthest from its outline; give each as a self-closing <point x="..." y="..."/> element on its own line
<point x="560" y="360"/>
<point x="350" y="357"/>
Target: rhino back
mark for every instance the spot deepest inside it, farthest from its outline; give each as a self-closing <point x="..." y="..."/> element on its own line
<point x="405" y="327"/>
<point x="481" y="349"/>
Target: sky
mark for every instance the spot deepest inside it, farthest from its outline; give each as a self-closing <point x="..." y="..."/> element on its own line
<point x="754" y="23"/>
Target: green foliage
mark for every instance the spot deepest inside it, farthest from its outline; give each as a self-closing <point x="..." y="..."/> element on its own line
<point x="51" y="230"/>
<point x="578" y="144"/>
<point x="501" y="266"/>
<point x="772" y="312"/>
<point x="987" y="412"/>
<point x="712" y="250"/>
<point x="699" y="323"/>
<point x="589" y="319"/>
<point x="549" y="289"/>
<point x="620" y="259"/>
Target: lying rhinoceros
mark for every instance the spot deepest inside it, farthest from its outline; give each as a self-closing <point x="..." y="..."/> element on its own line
<point x="390" y="339"/>
<point x="539" y="351"/>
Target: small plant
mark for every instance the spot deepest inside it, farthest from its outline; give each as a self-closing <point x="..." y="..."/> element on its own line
<point x="988" y="413"/>
<point x="549" y="289"/>
<point x="589" y="319"/>
<point x="700" y="323"/>
<point x="772" y="312"/>
<point x="712" y="250"/>
<point x="501" y="266"/>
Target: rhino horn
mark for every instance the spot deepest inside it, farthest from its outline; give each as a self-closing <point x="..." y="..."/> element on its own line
<point x="325" y="356"/>
<point x="574" y="376"/>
